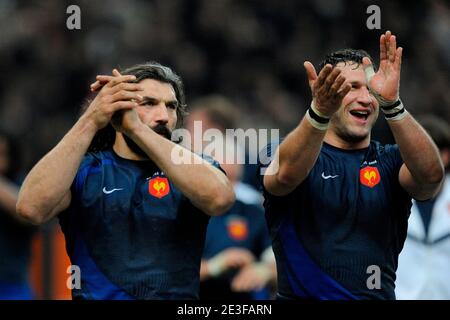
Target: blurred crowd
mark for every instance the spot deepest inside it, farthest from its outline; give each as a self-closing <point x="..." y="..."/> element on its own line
<point x="250" y="51"/>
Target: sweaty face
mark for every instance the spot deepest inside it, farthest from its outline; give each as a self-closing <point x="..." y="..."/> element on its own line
<point x="158" y="110"/>
<point x="359" y="109"/>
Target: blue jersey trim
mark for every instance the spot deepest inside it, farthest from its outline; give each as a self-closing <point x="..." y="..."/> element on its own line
<point x="306" y="278"/>
<point x="94" y="284"/>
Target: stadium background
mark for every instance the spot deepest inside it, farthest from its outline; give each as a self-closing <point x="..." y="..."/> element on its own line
<point x="250" y="51"/>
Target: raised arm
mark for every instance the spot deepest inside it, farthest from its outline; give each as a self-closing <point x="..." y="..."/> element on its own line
<point x="206" y="186"/>
<point x="422" y="172"/>
<point x="46" y="189"/>
<point x="298" y="153"/>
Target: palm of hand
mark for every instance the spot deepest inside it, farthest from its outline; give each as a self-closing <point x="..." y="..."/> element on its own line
<point x="125" y="121"/>
<point x="386" y="81"/>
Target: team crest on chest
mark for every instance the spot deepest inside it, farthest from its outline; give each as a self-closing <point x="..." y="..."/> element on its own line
<point x="237" y="228"/>
<point x="369" y="176"/>
<point x="158" y="187"/>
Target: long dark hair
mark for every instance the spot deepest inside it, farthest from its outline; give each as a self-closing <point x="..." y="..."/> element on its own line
<point x="104" y="139"/>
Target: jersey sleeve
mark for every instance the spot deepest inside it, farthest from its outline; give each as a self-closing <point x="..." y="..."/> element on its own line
<point x="86" y="165"/>
<point x="393" y="158"/>
<point x="212" y="162"/>
<point x="265" y="157"/>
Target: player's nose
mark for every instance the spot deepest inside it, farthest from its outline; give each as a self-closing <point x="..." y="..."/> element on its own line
<point x="161" y="114"/>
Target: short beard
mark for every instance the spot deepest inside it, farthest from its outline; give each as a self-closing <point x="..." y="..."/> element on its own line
<point x="159" y="129"/>
<point x="348" y="137"/>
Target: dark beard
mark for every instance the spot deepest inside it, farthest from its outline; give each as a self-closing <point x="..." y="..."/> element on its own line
<point x="159" y="129"/>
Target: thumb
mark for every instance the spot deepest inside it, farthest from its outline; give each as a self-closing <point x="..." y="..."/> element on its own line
<point x="310" y="72"/>
<point x="368" y="68"/>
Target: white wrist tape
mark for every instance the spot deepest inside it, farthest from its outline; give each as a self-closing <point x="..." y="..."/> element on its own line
<point x="317" y="119"/>
<point x="395" y="111"/>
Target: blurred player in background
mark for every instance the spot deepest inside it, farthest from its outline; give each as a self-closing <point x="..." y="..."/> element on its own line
<point x="15" y="232"/>
<point x="238" y="261"/>
<point x="424" y="263"/>
<point x="134" y="220"/>
<point x="338" y="203"/>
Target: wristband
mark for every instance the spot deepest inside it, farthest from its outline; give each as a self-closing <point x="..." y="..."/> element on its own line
<point x="395" y="111"/>
<point x="317" y="120"/>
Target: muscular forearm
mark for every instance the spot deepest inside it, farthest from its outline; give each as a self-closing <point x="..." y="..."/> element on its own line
<point x="295" y="157"/>
<point x="418" y="151"/>
<point x="207" y="187"/>
<point x="49" y="181"/>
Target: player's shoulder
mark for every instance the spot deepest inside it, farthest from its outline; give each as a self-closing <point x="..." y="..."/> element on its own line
<point x="385" y="152"/>
<point x="383" y="149"/>
<point x="97" y="158"/>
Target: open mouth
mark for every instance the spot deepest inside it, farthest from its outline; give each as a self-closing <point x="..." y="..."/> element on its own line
<point x="361" y="115"/>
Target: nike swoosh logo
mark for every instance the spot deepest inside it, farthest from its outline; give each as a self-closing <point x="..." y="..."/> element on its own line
<point x="328" y="177"/>
<point x="111" y="191"/>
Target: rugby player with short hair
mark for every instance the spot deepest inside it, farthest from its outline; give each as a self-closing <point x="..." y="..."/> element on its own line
<point x="338" y="205"/>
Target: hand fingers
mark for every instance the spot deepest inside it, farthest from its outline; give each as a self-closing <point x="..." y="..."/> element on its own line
<point x="116" y="73"/>
<point x="344" y="90"/>
<point x="398" y="58"/>
<point x="392" y="48"/>
<point x="331" y="78"/>
<point x="123" y="105"/>
<point x="388" y="34"/>
<point x="246" y="281"/>
<point x="241" y="261"/>
<point x="310" y="72"/>
<point x="124" y="95"/>
<point x="101" y="80"/>
<point x="323" y="74"/>
<point x="383" y="51"/>
<point x="95" y="86"/>
<point x="126" y="86"/>
<point x="119" y="79"/>
<point x="337" y="84"/>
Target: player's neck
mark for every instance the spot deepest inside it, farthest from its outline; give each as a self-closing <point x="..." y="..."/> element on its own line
<point x="336" y="141"/>
<point x="122" y="149"/>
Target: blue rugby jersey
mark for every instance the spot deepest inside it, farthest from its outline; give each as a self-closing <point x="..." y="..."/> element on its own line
<point x="133" y="234"/>
<point x="348" y="214"/>
<point x="243" y="226"/>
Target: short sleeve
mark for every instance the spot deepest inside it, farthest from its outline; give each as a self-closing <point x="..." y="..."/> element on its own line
<point x="393" y="159"/>
<point x="265" y="157"/>
<point x="213" y="162"/>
